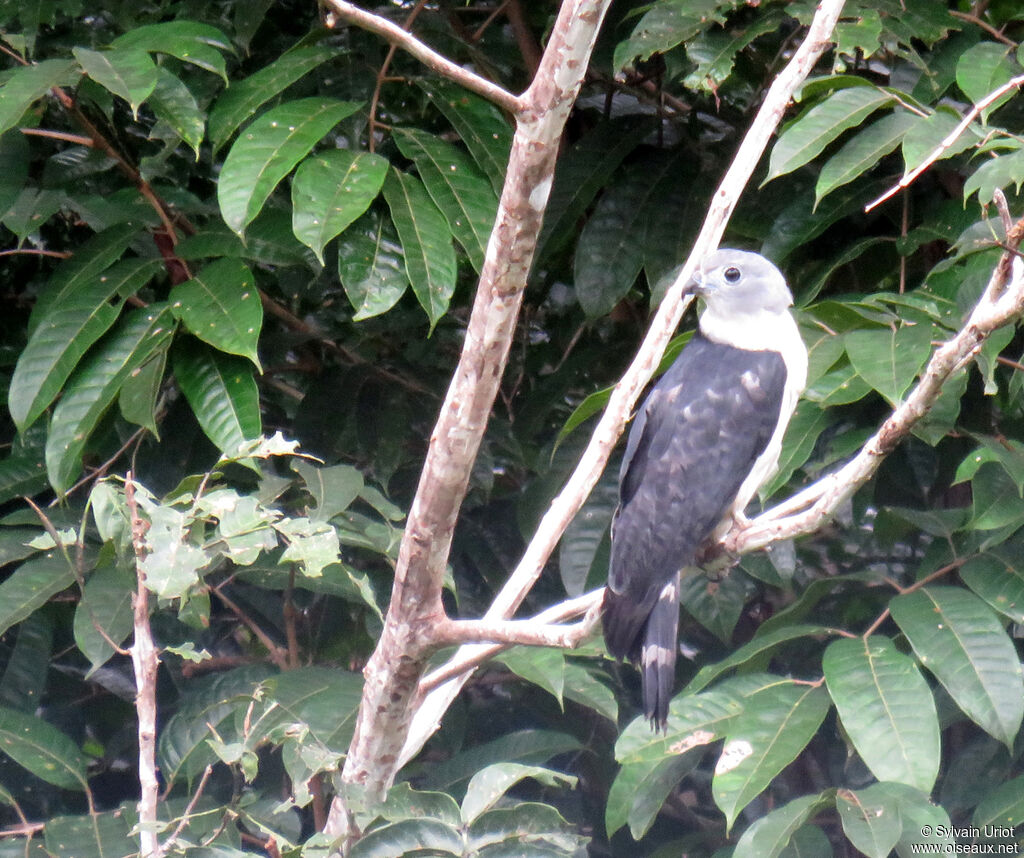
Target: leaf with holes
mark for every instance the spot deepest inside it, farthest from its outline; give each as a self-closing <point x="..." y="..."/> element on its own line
<point x="887" y="709"/>
<point x="960" y="640"/>
<point x="66" y="332"/>
<point x="223" y="394"/>
<point x="775" y="725"/>
<point x="268" y="150"/>
<point x="426" y="242"/>
<point x="330" y="191"/>
<point x="221" y="306"/>
<point x="96" y="384"/>
<point x="456" y="186"/>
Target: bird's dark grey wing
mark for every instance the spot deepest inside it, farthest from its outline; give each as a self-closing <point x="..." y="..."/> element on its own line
<point x="698" y="434"/>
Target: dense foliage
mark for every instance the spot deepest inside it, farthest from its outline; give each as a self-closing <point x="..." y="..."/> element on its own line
<point x="238" y="251"/>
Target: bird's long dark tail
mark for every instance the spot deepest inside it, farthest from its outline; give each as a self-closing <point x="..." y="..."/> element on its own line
<point x="658" y="654"/>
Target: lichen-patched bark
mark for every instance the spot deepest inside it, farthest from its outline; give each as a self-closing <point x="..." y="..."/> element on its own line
<point x="415" y="612"/>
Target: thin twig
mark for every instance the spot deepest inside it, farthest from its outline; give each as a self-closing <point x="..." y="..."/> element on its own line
<point x="32" y="251"/>
<point x="984" y="25"/>
<point x="426" y="55"/>
<point x="371" y="137"/>
<point x="187" y="815"/>
<point x="277" y="654"/>
<point x="948" y="141"/>
<point x="59" y="135"/>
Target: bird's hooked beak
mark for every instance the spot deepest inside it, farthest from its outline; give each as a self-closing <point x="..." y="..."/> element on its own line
<point x="697" y="284"/>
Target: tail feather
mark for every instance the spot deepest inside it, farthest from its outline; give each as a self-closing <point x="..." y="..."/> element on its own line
<point x="658" y="654"/>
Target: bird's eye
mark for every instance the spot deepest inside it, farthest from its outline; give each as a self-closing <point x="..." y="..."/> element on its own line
<point x="732" y="275"/>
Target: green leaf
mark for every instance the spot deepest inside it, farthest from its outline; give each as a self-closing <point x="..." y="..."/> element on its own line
<point x="426" y="243"/>
<point x="890" y="360"/>
<point x="456" y="186"/>
<point x="31" y="210"/>
<point x="190" y="41"/>
<point x="25" y="675"/>
<point x="269" y="240"/>
<point x="223" y="394"/>
<point x="775" y="725"/>
<point x="580" y="174"/>
<point x="481" y="126"/>
<point x="925" y="136"/>
<point x="587" y="533"/>
<point x="330" y="191"/>
<point x="21" y="475"/>
<point x="871" y="818"/>
<point x="770" y="834"/>
<point x="14" y="158"/>
<point x="174" y="103"/>
<point x="543" y="666"/>
<point x="665" y="25"/>
<point x="761" y="644"/>
<point x="1004" y="806"/>
<point x="996" y="499"/>
<point x="90" y="260"/>
<point x="803" y="140"/>
<point x="29" y="83"/>
<point x="66" y="332"/>
<point x="333" y="489"/>
<point x="1000" y="172"/>
<point x="95" y="385"/>
<point x="244" y="97"/>
<point x="714" y="51"/>
<point x="609" y="254"/>
<point x="221" y="306"/>
<point x="488" y="785"/>
<point x="886" y="708"/>
<point x="862" y="151"/>
<point x="42" y="749"/>
<point x="805" y="427"/>
<point x="640" y="789"/>
<point x="371" y="266"/>
<point x="140" y="393"/>
<point x="959" y="639"/>
<point x="268" y="150"/>
<point x="107" y="603"/>
<point x="98" y="835"/>
<point x="998" y="578"/>
<point x="983" y="69"/>
<point x="128" y="73"/>
<point x="409" y="837"/>
<point x="31" y="585"/>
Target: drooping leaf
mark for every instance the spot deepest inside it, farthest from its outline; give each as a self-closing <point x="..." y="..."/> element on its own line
<point x="775" y="725"/>
<point x="192" y="42"/>
<point x="221" y="306"/>
<point x="268" y="150"/>
<point x="96" y="384"/>
<point x="223" y="394"/>
<point x="769" y="835"/>
<point x="426" y="242"/>
<point x="886" y="708"/>
<point x="959" y="639"/>
<point x="665" y="25"/>
<point x="128" y="73"/>
<point x="998" y="577"/>
<point x="862" y="151"/>
<point x="174" y="103"/>
<point x="244" y="97"/>
<point x="996" y="499"/>
<point x="106" y="603"/>
<point x="371" y="266"/>
<point x="488" y="785"/>
<point x="582" y="542"/>
<point x="640" y="789"/>
<point x="927" y="134"/>
<point x="805" y="139"/>
<point x="42" y="749"/>
<point x="1003" y="806"/>
<point x="30" y="83"/>
<point x="480" y="125"/>
<point x="330" y="191"/>
<point x="999" y="172"/>
<point x="66" y="332"/>
<point x="871" y="818"/>
<point x="983" y="69"/>
<point x="458" y="188"/>
<point x="140" y="393"/>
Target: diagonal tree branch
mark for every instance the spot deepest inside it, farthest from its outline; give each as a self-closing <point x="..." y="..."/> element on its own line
<point x="426" y="55"/>
<point x="616" y="414"/>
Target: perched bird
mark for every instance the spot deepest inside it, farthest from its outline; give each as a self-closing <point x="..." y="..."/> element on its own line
<point x="706" y="438"/>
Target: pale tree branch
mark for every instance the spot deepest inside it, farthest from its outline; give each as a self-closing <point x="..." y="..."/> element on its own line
<point x="396" y="666"/>
<point x="430" y="58"/>
<point x="948" y="141"/>
<point x="805" y="512"/>
<point x="146" y="662"/>
<point x="616" y="414"/>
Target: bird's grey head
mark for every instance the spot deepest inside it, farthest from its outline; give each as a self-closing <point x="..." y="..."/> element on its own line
<point x="738" y="282"/>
